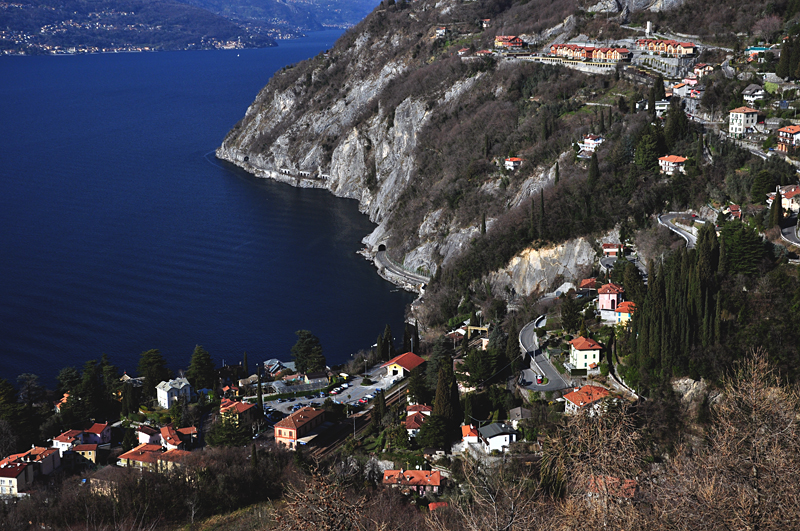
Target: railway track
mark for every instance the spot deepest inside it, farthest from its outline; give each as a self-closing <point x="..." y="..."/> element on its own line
<point x="361" y="421"/>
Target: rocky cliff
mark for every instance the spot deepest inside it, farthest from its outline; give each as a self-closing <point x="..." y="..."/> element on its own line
<point x="363" y="121"/>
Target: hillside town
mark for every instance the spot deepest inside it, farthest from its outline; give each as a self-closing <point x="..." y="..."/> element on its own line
<point x="648" y="377"/>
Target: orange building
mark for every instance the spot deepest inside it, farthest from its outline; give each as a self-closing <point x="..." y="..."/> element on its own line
<point x="292" y="430"/>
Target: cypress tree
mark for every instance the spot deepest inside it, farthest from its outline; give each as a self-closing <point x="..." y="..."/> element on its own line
<point x="380" y="353"/>
<point x="783" y="68"/>
<point x="594" y="172"/>
<point x="245" y="367"/>
<point x="128" y="440"/>
<point x="776" y="211"/>
<point x="388" y="341"/>
<point x="532" y="226"/>
<point x="512" y="345"/>
<point x="260" y="391"/>
<point x="602" y="128"/>
<point x="541" y="215"/>
<point x="483" y="224"/>
<point x="555" y="180"/>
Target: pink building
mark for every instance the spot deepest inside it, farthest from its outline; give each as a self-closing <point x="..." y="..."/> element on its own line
<point x="609" y="297"/>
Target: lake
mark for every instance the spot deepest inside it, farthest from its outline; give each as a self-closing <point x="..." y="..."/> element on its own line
<point x="120" y="231"/>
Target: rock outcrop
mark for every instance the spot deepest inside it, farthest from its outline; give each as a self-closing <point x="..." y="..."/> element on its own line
<point x="541" y="270"/>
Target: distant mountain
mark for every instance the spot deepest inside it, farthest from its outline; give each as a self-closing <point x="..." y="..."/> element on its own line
<point x="48" y="26"/>
<point x="307" y="15"/>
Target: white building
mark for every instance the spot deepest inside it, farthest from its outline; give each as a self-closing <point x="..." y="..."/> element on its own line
<point x="742" y="121"/>
<point x="672" y="164"/>
<point x="753" y="93"/>
<point x="513" y="163"/>
<point x="497" y="436"/>
<point x="583" y="352"/>
<point x="169" y="392"/>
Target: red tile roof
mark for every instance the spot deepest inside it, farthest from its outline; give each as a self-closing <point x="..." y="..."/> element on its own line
<point x="144" y="453"/>
<point x="173" y="455"/>
<point x="170" y="436"/>
<point x="468" y="431"/>
<point x="68" y="436"/>
<point x="86" y="448"/>
<point x="673" y="158"/>
<point x="147" y="430"/>
<point x="12" y="470"/>
<point x="415" y="421"/>
<point x="418" y="408"/>
<point x="437" y="505"/>
<point x="586" y="395"/>
<point x="791" y="129"/>
<point x="233" y="407"/>
<point x="583" y="343"/>
<point x="409" y="361"/>
<point x="513" y="159"/>
<point x="610" y="289"/>
<point x="626" y="307"/>
<point x="413" y="478"/>
<point x="97" y="429"/>
<point x="191" y="430"/>
<point x="745" y="110"/>
<point x="588" y="283"/>
<point x="299" y="418"/>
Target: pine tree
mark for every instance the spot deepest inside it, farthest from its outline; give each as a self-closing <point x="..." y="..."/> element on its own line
<point x="307" y="353"/>
<point x="202" y="372"/>
<point x="153" y="368"/>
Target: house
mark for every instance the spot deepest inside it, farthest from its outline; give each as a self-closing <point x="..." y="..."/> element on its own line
<point x="403" y="364"/>
<point x="702" y="69"/>
<point x="144" y="456"/>
<point x="421" y="481"/>
<point x="583" y="352"/>
<point x="513" y="163"/>
<point x="625" y="311"/>
<point x="469" y="435"/>
<point x="484" y="53"/>
<point x="15" y="478"/>
<point x="441" y="32"/>
<point x="666" y="47"/>
<point x="437" y="505"/>
<point x="88" y="453"/>
<point x="753" y="93"/>
<point x="742" y="120"/>
<point x="671" y="164"/>
<point x="486" y="22"/>
<point x="497" y="437"/>
<point x="274" y="366"/>
<point x="662" y="106"/>
<point x="295" y="428"/>
<point x="609" y="297"/>
<point x="419" y="408"/>
<point x="317" y="378"/>
<point x="238" y="413"/>
<point x="613" y="249"/>
<point x="170" y="438"/>
<point x="43" y="461"/>
<point x="152" y="457"/>
<point x="788" y="138"/>
<point x="587" y="398"/>
<point x="790" y="197"/>
<point x="67" y="441"/>
<point x="97" y="434"/>
<point x="518" y="414"/>
<point x="681" y="89"/>
<point x="463" y="51"/>
<point x="148" y="435"/>
<point x="188" y="435"/>
<point x="736" y="212"/>
<point x="170" y="392"/>
<point x="414" y="422"/>
<point x="590" y="143"/>
<point x="588" y="284"/>
<point x="507" y="41"/>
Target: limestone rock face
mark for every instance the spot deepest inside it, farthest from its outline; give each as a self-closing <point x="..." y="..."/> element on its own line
<point x="539" y="270"/>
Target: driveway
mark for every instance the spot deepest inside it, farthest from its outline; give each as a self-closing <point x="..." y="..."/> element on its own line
<point x="789" y="230"/>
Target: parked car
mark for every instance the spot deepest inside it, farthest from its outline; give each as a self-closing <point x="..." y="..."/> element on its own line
<point x="345" y="385"/>
<point x="334" y="392"/>
<point x="539" y="378"/>
<point x="363" y="401"/>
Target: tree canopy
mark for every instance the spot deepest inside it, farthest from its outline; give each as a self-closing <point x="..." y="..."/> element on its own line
<point x="307" y="353"/>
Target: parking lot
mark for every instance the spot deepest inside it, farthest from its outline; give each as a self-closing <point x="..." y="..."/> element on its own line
<point x="350" y="393"/>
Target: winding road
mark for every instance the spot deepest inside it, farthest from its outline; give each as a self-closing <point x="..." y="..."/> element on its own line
<point x="667" y="221"/>
<point x="529" y="342"/>
<point x="383" y="262"/>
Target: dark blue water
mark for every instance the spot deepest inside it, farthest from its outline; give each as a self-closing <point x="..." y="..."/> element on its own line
<point x="118" y="235"/>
